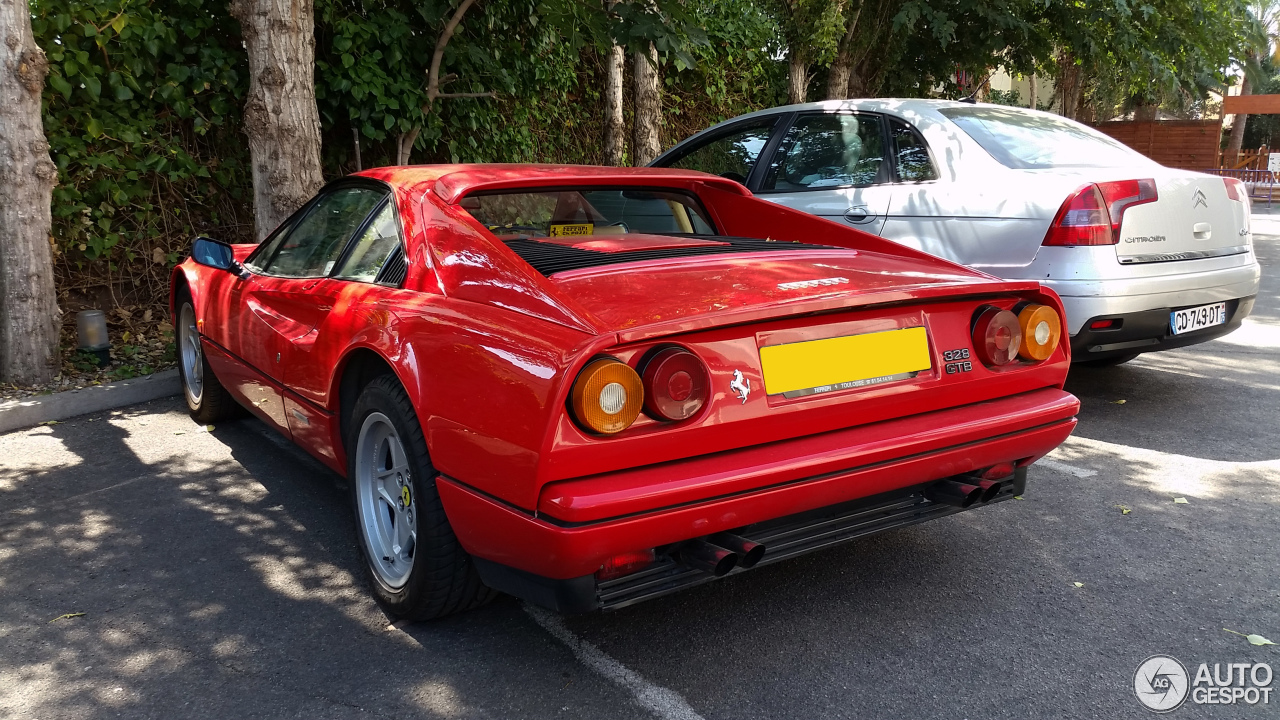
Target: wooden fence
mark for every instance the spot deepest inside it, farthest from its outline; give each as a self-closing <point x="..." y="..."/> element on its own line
<point x="1245" y="159"/>
<point x="1187" y="144"/>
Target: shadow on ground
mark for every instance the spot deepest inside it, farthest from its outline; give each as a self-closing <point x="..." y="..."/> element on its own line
<point x="218" y="577"/>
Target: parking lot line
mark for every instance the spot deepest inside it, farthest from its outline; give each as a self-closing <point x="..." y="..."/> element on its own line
<point x="664" y="703"/>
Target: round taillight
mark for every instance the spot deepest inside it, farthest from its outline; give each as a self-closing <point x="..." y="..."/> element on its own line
<point x="1041" y="331"/>
<point x="607" y="396"/>
<point x="675" y="384"/>
<point x="997" y="336"/>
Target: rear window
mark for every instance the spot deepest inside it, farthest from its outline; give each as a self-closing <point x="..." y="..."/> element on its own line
<point x="567" y="212"/>
<point x="1023" y="140"/>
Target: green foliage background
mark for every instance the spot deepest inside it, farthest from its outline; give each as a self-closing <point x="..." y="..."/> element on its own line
<point x="141" y="111"/>
<point x="143" y="106"/>
<point x="144" y="98"/>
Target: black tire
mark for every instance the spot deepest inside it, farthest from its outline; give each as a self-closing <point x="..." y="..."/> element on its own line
<point x="213" y="403"/>
<point x="443" y="579"/>
<point x="1109" y="361"/>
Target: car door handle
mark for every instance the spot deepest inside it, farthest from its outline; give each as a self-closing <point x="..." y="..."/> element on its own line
<point x="1202" y="231"/>
<point x="859" y="214"/>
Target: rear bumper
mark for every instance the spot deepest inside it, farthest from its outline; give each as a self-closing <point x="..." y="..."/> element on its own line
<point x="1084" y="300"/>
<point x="1148" y="331"/>
<point x="598" y="517"/>
<point x="785" y="538"/>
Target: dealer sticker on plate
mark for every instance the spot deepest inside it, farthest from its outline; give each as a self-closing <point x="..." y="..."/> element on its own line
<point x="1196" y="318"/>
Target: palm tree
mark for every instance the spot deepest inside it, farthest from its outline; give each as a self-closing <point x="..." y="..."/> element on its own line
<point x="1262" y="36"/>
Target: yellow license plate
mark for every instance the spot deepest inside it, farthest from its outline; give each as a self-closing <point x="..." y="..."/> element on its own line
<point x="814" y="366"/>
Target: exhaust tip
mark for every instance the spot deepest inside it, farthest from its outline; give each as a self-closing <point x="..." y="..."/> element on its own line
<point x="753" y="556"/>
<point x="727" y="563"/>
<point x="955" y="494"/>
<point x="990" y="489"/>
<point x="702" y="555"/>
<point x="749" y="553"/>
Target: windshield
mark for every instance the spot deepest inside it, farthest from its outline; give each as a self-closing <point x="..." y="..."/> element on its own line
<point x="1024" y="140"/>
<point x="569" y="212"/>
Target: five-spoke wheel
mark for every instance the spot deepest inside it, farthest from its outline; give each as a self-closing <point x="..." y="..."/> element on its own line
<point x="384" y="492"/>
<point x="207" y="400"/>
<point x="417" y="567"/>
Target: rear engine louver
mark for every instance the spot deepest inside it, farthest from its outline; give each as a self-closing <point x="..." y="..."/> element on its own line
<point x="394" y="271"/>
<point x="548" y="258"/>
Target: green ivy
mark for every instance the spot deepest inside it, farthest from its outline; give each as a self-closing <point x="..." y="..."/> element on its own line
<point x="144" y="100"/>
<point x="371" y="64"/>
<point x="141" y="110"/>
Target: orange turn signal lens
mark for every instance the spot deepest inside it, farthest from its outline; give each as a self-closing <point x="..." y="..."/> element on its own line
<point x="607" y="396"/>
<point x="1041" y="331"/>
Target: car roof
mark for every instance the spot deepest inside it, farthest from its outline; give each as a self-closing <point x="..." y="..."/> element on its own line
<point x="900" y="105"/>
<point x="452" y="182"/>
<point x="918" y="111"/>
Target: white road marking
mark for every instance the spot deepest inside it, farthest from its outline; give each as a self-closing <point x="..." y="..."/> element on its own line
<point x="665" y="704"/>
<point x="1066" y="468"/>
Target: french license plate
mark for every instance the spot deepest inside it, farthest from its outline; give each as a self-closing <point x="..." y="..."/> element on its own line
<point x="1196" y="318"/>
<point x="840" y="363"/>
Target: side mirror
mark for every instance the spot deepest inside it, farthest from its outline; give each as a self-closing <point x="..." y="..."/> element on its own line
<point x="214" y="254"/>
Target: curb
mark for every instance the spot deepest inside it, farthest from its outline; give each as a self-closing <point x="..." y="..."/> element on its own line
<point x="16" y="414"/>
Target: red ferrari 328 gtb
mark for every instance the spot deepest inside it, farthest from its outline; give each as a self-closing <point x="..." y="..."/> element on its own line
<point x="588" y="387"/>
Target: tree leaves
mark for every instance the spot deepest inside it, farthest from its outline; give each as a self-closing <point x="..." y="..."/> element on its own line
<point x="134" y="88"/>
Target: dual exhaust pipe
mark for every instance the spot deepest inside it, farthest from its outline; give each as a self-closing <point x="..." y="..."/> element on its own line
<point x="961" y="494"/>
<point x="720" y="553"/>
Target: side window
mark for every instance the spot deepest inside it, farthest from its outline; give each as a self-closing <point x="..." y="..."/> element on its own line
<point x="911" y="154"/>
<point x="268" y="246"/>
<point x="372" y="248"/>
<point x="316" y="240"/>
<point x="730" y="156"/>
<point x="828" y="151"/>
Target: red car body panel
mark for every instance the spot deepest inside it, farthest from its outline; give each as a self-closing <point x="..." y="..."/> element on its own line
<point x="497" y="531"/>
<point x="487" y="349"/>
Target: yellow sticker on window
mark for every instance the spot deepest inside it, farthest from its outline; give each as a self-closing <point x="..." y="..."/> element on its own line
<point x="572" y="229"/>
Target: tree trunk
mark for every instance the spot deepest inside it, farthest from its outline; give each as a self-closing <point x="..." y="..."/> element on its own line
<point x="838" y="79"/>
<point x="615" y="143"/>
<point x="648" y="104"/>
<point x="29" y="317"/>
<point x="797" y="78"/>
<point x="1069" y="88"/>
<point x="1237" y="125"/>
<point x="1032" y="91"/>
<point x="1145" y="112"/>
<point x="842" y="66"/>
<point x="280" y="115"/>
<point x="857" y="85"/>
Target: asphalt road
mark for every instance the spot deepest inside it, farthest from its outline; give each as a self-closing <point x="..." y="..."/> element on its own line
<point x="218" y="578"/>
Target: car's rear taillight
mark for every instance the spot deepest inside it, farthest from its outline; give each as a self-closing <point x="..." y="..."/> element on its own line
<point x="1092" y="214"/>
<point x="1235" y="189"/>
<point x="607" y="396"/>
<point x="997" y="335"/>
<point x="675" y="384"/>
<point x="1121" y="195"/>
<point x="1082" y="220"/>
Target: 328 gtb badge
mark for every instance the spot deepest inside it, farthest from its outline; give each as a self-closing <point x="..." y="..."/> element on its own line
<point x="957" y="361"/>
